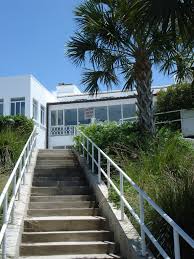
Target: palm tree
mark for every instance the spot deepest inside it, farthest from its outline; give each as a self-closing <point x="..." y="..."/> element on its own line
<point x="174" y="16"/>
<point x="115" y="48"/>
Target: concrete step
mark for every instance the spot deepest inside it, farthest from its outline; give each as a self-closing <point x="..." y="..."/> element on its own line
<point x="43" y="183"/>
<point x="61" y="198"/>
<point x="66" y="236"/>
<point x="72" y="256"/>
<point x="55" y="172"/>
<point x="63" y="212"/>
<point x="52" y="157"/>
<point x="60" y="205"/>
<point x="70" y="190"/>
<point x="56" y="166"/>
<point x="41" y="224"/>
<point x="55" y="178"/>
<point x="57" y="248"/>
<point x="57" y="162"/>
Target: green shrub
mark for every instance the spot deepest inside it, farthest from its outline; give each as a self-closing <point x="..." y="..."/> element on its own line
<point x="176" y="97"/>
<point x="163" y="166"/>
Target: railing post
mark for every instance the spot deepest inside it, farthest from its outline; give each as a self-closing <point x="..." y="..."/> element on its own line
<point x="122" y="194"/>
<point x="4" y="222"/>
<point x="143" y="242"/>
<point x="92" y="158"/>
<point x="176" y="244"/>
<point x="108" y="173"/>
<point x="87" y="151"/>
<point x="14" y="193"/>
<point x="99" y="166"/>
<point x="83" y="140"/>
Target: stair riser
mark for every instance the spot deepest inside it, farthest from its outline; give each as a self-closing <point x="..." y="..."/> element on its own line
<point x="64" y="212"/>
<point x="65" y="237"/>
<point x="51" y="178"/>
<point x="60" y="225"/>
<point x="39" y="183"/>
<point x="54" y="158"/>
<point x="56" y="191"/>
<point x="57" y="205"/>
<point x="67" y="249"/>
<point x="61" y="198"/>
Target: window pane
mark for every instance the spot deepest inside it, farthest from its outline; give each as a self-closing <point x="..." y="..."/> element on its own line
<point x="71" y="117"/>
<point x="1" y="108"/>
<point x="53" y="118"/>
<point x="17" y="107"/>
<point x="12" y="108"/>
<point x="129" y="110"/>
<point x="23" y="108"/>
<point x="81" y="117"/>
<point x="42" y="115"/>
<point x="115" y="113"/>
<point x="101" y="113"/>
<point x="60" y="117"/>
<point x="35" y="109"/>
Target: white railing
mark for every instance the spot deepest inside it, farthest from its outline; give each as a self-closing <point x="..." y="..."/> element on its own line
<point x="87" y="144"/>
<point x="69" y="130"/>
<point x="11" y="190"/>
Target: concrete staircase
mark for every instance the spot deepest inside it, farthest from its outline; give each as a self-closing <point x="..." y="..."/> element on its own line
<point x="63" y="219"/>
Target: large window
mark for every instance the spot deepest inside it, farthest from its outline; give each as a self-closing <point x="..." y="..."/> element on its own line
<point x="71" y="117"/>
<point x="57" y="118"/>
<point x="1" y="106"/>
<point x="35" y="109"/>
<point x="18" y="106"/>
<point x="42" y="115"/>
<point x="129" y="110"/>
<point x="114" y="113"/>
<point x="81" y="117"/>
<point x="101" y="113"/>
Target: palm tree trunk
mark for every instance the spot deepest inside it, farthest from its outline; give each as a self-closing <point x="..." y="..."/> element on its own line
<point x="143" y="74"/>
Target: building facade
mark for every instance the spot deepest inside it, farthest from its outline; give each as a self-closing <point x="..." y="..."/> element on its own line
<point x="58" y="114"/>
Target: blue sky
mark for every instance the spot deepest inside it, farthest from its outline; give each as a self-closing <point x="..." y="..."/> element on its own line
<point x="32" y="41"/>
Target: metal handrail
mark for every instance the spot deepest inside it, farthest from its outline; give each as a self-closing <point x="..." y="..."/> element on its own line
<point x="86" y="143"/>
<point x="15" y="180"/>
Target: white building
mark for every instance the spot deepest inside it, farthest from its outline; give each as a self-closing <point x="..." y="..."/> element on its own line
<point x="57" y="114"/>
<point x="25" y="95"/>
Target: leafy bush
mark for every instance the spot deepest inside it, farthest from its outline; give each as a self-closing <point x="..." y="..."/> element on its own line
<point x="22" y="124"/>
<point x="163" y="167"/>
<point x="14" y="132"/>
<point x="176" y="97"/>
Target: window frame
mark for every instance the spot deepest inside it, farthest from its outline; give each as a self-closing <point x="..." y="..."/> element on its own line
<point x="17" y="101"/>
<point x="42" y="115"/>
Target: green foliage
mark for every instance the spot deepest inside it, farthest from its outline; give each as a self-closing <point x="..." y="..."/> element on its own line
<point x="176" y="97"/>
<point x="163" y="167"/>
<point x="14" y="132"/>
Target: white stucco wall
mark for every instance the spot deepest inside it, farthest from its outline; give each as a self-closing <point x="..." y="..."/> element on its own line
<point x="15" y="87"/>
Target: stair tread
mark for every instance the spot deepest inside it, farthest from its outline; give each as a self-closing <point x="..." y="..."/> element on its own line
<point x="67" y="243"/>
<point x="71" y="218"/>
<point x="79" y="256"/>
<point x="67" y="232"/>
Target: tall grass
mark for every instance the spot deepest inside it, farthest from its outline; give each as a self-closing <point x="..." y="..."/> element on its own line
<point x="164" y="168"/>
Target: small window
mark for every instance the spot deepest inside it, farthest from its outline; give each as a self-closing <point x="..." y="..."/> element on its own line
<point x="1" y="106"/>
<point x="35" y="109"/>
<point x="42" y="115"/>
<point x="18" y="106"/>
<point x="60" y="117"/>
<point x="53" y="118"/>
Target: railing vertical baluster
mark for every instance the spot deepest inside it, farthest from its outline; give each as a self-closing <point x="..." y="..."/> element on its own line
<point x="92" y="158"/>
<point x="122" y="194"/>
<point x="87" y="151"/>
<point x="143" y="242"/>
<point x="4" y="222"/>
<point x="108" y="173"/>
<point x="14" y="193"/>
<point x="99" y="166"/>
<point x="83" y="141"/>
<point x="20" y="173"/>
<point x="176" y="244"/>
